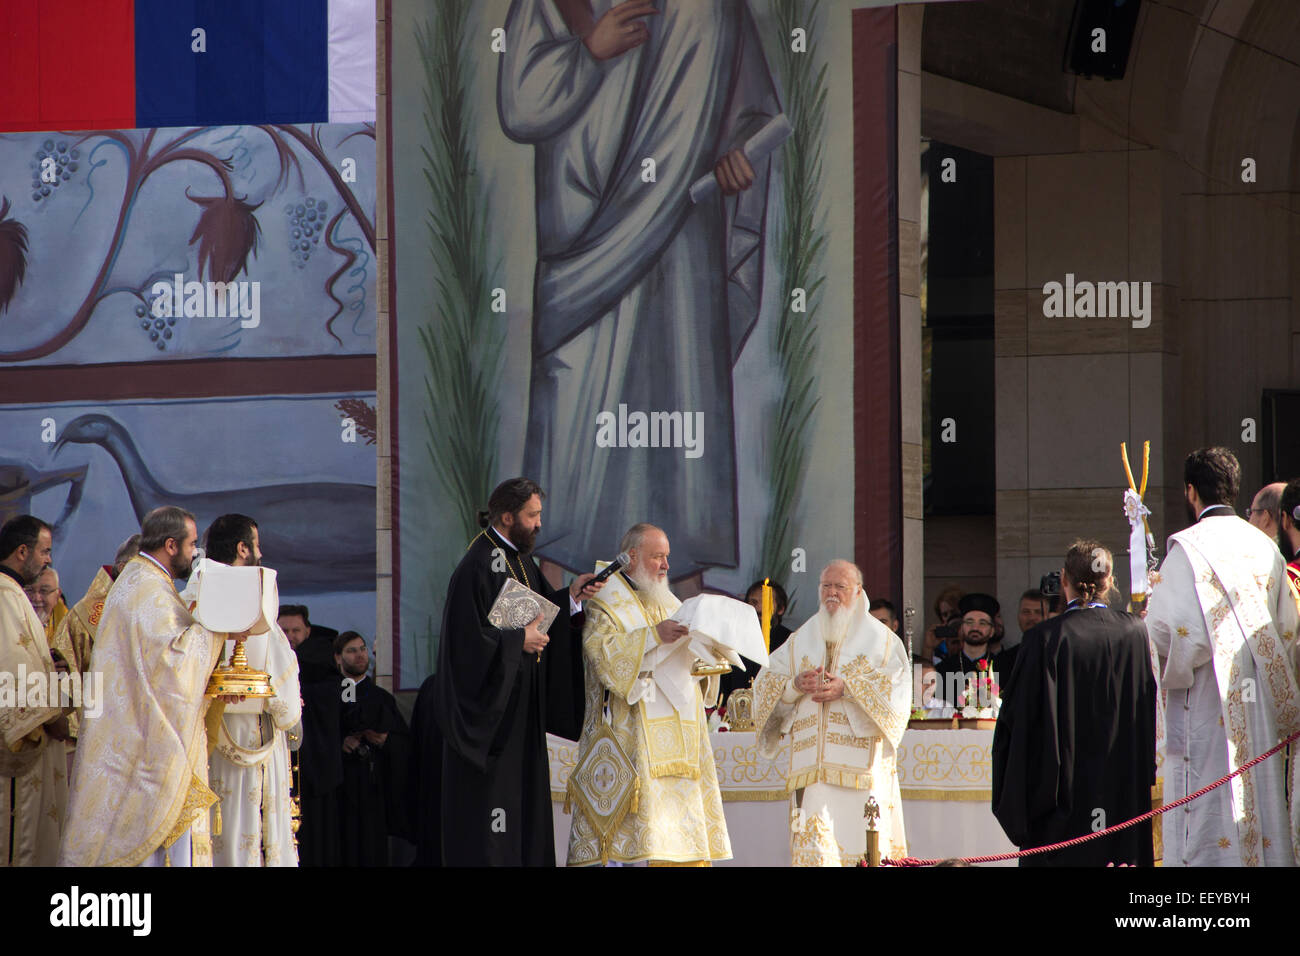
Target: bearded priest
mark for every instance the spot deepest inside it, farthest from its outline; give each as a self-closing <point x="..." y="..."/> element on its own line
<point x="840" y="687"/>
<point x="1224" y="629"/>
<point x="675" y="817"/>
<point x="139" y="793"/>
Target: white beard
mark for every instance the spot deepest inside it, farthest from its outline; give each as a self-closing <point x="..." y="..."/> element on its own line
<point x="835" y="626"/>
<point x="652" y="591"/>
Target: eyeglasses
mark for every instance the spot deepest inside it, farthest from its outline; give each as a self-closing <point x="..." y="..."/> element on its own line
<point x="43" y="592"/>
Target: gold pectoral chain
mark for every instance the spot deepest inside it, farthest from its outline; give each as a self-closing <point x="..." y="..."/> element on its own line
<point x="521" y="578"/>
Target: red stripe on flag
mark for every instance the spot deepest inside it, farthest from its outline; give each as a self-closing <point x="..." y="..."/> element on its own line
<point x="19" y="62"/>
<point x="87" y="64"/>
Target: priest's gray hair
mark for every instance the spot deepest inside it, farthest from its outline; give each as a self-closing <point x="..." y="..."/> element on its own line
<point x="635" y="534"/>
<point x="161" y="524"/>
<point x="841" y="563"/>
<point x="128" y="550"/>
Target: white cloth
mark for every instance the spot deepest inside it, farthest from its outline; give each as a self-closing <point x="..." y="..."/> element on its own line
<point x="249" y="767"/>
<point x="1224" y="629"/>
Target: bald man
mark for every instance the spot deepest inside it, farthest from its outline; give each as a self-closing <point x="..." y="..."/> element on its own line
<point x="1263" y="510"/>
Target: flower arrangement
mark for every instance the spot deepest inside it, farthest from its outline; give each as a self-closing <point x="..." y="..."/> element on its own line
<point x="983" y="697"/>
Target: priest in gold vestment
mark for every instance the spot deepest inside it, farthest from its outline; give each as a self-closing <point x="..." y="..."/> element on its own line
<point x="75" y="637"/>
<point x="140" y="790"/>
<point x="840" y="687"/>
<point x="677" y="818"/>
<point x="33" y="768"/>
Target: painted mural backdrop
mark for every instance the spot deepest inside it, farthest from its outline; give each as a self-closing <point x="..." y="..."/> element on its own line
<point x="579" y="302"/>
<point x="227" y="274"/>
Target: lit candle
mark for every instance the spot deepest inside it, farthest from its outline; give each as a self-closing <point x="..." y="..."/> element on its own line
<point x="766" y="616"/>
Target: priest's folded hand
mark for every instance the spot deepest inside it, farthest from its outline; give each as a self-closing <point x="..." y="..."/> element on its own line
<point x="832" y="689"/>
<point x="808" y="681"/>
<point x="534" y="640"/>
<point x="670" y="631"/>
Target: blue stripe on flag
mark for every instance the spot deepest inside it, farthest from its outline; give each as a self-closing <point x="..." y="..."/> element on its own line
<point x="165" y="69"/>
<point x="263" y="62"/>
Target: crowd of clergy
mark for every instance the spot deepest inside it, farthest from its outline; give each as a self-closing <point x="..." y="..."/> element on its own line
<point x="116" y="755"/>
<point x="116" y="752"/>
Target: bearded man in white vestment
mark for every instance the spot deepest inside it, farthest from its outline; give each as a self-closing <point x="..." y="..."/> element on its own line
<point x="33" y="767"/>
<point x="642" y="297"/>
<point x="841" y="688"/>
<point x="139" y="793"/>
<point x="1224" y="628"/>
<point x="678" y="816"/>
<point x="249" y="765"/>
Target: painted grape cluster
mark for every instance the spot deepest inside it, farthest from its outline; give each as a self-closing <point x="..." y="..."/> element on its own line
<point x="66" y="162"/>
<point x="160" y="331"/>
<point x="306" y="223"/>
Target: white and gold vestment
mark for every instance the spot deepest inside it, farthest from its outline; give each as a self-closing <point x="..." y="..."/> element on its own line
<point x="33" y="767"/>
<point x="249" y="767"/>
<point x="678" y="818"/>
<point x="1223" y="623"/>
<point x="75" y="636"/>
<point x="140" y="778"/>
<point x="841" y="751"/>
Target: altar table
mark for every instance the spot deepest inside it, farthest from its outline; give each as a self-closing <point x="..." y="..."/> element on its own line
<point x="944" y="775"/>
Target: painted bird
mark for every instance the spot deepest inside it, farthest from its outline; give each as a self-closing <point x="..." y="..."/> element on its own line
<point x="319" y="535"/>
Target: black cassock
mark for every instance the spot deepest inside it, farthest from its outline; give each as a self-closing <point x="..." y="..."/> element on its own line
<point x="321" y="774"/>
<point x="352" y="802"/>
<point x="493" y="705"/>
<point x="1076" y="735"/>
<point x="372" y="800"/>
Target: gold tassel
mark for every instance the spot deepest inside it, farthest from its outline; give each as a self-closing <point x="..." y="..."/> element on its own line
<point x="636" y="796"/>
<point x="167" y="857"/>
<point x="568" y="798"/>
<point x="216" y="826"/>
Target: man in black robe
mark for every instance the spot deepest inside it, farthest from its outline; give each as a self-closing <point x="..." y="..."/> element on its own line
<point x="376" y="751"/>
<point x="320" y="774"/>
<point x="1074" y="748"/>
<point x="312" y="643"/>
<point x="498" y="691"/>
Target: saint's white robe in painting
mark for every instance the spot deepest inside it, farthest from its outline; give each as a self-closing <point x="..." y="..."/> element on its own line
<point x="249" y="767"/>
<point x="140" y="777"/>
<point x="841" y="751"/>
<point x="642" y="298"/>
<point x="1224" y="627"/>
<point x="33" y="767"/>
<point x="678" y="817"/>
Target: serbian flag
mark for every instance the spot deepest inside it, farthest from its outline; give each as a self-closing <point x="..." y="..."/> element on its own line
<point x="124" y="64"/>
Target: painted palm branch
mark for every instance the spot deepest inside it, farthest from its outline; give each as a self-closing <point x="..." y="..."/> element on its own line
<point x="800" y="243"/>
<point x="461" y="343"/>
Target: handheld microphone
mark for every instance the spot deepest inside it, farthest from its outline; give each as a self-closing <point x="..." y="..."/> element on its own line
<point x="622" y="561"/>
